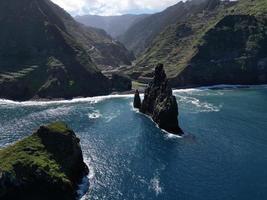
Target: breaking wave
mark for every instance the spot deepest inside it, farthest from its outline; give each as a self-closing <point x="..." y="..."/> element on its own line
<point x="198" y="105"/>
<point x="94" y="115"/>
<point x="87" y="181"/>
<point x="97" y="99"/>
<point x="155" y="185"/>
<point x="56" y="102"/>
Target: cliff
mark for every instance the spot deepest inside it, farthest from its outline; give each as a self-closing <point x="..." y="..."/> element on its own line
<point x="233" y="52"/>
<point x="218" y="42"/>
<point x="45" y="53"/>
<point x="46" y="165"/>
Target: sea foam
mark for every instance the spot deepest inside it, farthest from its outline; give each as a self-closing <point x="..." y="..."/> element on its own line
<point x="94" y="115"/>
<point x="97" y="99"/>
<point x="55" y="102"/>
<point x="86" y="182"/>
<point x="155" y="185"/>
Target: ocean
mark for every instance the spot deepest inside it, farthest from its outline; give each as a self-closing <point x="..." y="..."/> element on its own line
<point x="221" y="157"/>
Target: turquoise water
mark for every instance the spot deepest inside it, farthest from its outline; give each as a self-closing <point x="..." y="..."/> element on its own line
<point x="223" y="156"/>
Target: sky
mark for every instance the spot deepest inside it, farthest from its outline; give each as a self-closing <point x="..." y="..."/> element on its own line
<point x="113" y="7"/>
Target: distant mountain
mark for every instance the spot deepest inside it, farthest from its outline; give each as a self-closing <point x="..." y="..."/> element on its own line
<point x="217" y="42"/>
<point x="113" y="25"/>
<point x="140" y="35"/>
<point x="45" y="53"/>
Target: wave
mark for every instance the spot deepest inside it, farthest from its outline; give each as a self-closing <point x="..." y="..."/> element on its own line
<point x="167" y="134"/>
<point x="87" y="181"/>
<point x="201" y="106"/>
<point x="95" y="115"/>
<point x="187" y="90"/>
<point x="155" y="185"/>
<point x="220" y="86"/>
<point x="95" y="99"/>
<point x="83" y="188"/>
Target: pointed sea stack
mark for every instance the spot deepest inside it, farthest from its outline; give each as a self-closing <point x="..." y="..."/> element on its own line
<point x="160" y="103"/>
<point x="137" y="100"/>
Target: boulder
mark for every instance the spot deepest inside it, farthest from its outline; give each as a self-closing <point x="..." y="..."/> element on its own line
<point x="46" y="165"/>
<point x="160" y="103"/>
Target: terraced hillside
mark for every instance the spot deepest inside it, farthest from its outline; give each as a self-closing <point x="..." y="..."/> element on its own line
<point x="44" y="53"/>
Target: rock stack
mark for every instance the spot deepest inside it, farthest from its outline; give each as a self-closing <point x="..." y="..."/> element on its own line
<point x="46" y="165"/>
<point x="160" y="103"/>
<point x="137" y="100"/>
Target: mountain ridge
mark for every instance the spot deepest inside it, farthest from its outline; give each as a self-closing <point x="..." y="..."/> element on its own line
<point x="139" y="36"/>
<point x="183" y="46"/>
<point x="114" y="25"/>
<point x="49" y="55"/>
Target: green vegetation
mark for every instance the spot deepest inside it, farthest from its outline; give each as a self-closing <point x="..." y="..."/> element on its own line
<point x="47" y="164"/>
<point x="138" y="86"/>
<point x="58" y="127"/>
<point x="251" y="7"/>
<point x="31" y="153"/>
<point x="178" y="43"/>
<point x="52" y="56"/>
<point x="203" y="40"/>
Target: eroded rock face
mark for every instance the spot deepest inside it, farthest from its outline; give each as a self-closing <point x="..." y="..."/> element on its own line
<point x="160" y="104"/>
<point x="46" y="165"/>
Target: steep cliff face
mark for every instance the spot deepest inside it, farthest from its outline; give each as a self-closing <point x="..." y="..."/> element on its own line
<point x="160" y="103"/>
<point x="233" y="52"/>
<point x="44" y="53"/>
<point x="223" y="42"/>
<point x="46" y="165"/>
<point x="140" y="35"/>
<point x="176" y="44"/>
<point x="96" y="41"/>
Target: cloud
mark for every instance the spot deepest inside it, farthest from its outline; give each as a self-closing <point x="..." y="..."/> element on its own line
<point x="113" y="7"/>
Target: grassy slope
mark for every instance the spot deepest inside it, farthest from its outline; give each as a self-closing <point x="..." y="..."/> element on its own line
<point x="176" y="46"/>
<point x="31" y="153"/>
<point x="138" y="37"/>
<point x="95" y="41"/>
<point x="45" y="37"/>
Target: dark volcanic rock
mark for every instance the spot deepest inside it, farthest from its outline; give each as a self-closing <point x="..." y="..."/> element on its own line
<point x="160" y="103"/>
<point x="137" y="100"/>
<point x="46" y="165"/>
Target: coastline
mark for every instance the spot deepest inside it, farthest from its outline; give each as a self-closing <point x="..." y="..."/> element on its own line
<point x="126" y="94"/>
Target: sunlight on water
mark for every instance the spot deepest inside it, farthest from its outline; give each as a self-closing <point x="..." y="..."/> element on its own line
<point x="220" y="157"/>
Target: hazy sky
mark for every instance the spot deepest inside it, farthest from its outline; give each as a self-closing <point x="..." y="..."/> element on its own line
<point x="113" y="7"/>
